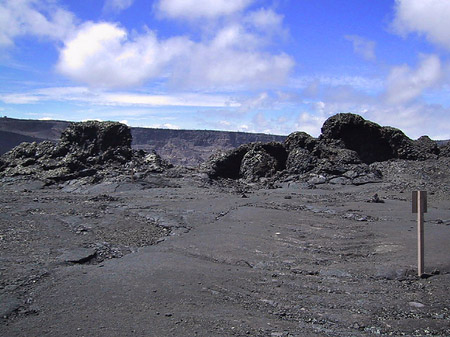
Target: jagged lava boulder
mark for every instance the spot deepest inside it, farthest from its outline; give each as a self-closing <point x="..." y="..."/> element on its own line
<point x="372" y="142"/>
<point x="84" y="149"/>
<point x="262" y="161"/>
<point x="249" y="162"/>
<point x="152" y="162"/>
<point x="225" y="164"/>
<point x="300" y="139"/>
<point x="94" y="143"/>
<point x="325" y="160"/>
<point x="94" y="138"/>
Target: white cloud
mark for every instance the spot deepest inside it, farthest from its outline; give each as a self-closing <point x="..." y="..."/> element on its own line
<point x="363" y="47"/>
<point x="426" y="17"/>
<point x="40" y="18"/>
<point x="262" y="100"/>
<point x="415" y="118"/>
<point x="234" y="36"/>
<point x="405" y="84"/>
<point x="186" y="100"/>
<point x="50" y="94"/>
<point x="233" y="58"/>
<point x="105" y="55"/>
<point x="216" y="67"/>
<point x="19" y="99"/>
<point x="311" y="122"/>
<point x="358" y="82"/>
<point x="195" y="9"/>
<point x="107" y="98"/>
<point x="163" y="126"/>
<point x="243" y="127"/>
<point x="116" y="5"/>
<point x="267" y="100"/>
<point x="102" y="54"/>
<point x="265" y="19"/>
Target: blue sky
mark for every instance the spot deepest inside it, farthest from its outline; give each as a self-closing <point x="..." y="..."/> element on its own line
<point x="273" y="66"/>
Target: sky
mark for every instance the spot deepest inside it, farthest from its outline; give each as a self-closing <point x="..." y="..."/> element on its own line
<point x="271" y="66"/>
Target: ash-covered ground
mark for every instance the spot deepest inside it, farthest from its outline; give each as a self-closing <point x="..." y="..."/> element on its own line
<point x="135" y="247"/>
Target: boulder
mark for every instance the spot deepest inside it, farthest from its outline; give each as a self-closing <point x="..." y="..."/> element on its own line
<point x="96" y="137"/>
<point x="261" y="160"/>
<point x="374" y="143"/>
<point x="306" y="153"/>
<point x="357" y="134"/>
<point x="426" y="148"/>
<point x="154" y="163"/>
<point x="96" y="142"/>
<point x="226" y="164"/>
<point x="257" y="163"/>
<point x="300" y="140"/>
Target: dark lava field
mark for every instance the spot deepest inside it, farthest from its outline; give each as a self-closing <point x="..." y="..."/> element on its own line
<point x="310" y="237"/>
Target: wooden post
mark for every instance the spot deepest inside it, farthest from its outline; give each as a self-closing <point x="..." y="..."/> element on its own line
<point x="420" y="254"/>
<point x="419" y="199"/>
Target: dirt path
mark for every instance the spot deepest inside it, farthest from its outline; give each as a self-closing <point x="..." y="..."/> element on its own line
<point x="281" y="262"/>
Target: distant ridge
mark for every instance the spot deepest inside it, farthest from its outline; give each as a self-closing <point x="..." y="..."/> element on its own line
<point x="191" y="147"/>
<point x="180" y="147"/>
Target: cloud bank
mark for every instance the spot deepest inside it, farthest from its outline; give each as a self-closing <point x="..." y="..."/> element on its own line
<point x="105" y="54"/>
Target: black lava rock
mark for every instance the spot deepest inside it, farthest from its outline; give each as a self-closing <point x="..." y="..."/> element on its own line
<point x="84" y="150"/>
<point x="342" y="153"/>
<point x="250" y="161"/>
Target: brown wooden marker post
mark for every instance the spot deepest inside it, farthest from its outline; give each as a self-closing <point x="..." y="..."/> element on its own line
<point x="419" y="206"/>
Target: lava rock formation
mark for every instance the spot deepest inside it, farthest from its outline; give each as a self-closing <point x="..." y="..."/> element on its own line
<point x="343" y="154"/>
<point x="85" y="149"/>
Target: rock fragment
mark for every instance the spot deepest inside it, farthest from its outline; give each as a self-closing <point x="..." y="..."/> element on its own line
<point x="78" y="255"/>
<point x="416" y="304"/>
<point x="376" y="199"/>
